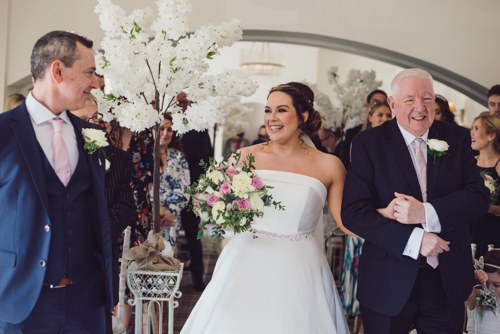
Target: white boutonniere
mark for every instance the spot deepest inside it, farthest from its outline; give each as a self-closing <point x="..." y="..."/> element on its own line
<point x="107" y="165"/>
<point x="436" y="147"/>
<point x="94" y="139"/>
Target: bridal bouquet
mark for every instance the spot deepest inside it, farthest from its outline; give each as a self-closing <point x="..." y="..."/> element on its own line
<point x="229" y="196"/>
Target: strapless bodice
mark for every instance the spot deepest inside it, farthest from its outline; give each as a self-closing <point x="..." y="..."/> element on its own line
<point x="303" y="198"/>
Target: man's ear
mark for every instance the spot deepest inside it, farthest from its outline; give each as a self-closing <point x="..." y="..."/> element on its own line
<point x="56" y="69"/>
<point x="390" y="102"/>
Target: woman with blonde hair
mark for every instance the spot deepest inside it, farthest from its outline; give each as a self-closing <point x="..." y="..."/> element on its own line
<point x="12" y="101"/>
<point x="485" y="138"/>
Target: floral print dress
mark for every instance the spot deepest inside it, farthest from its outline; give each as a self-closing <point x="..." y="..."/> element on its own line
<point x="173" y="181"/>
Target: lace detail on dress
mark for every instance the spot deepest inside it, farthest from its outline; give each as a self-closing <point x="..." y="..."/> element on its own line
<point x="272" y="235"/>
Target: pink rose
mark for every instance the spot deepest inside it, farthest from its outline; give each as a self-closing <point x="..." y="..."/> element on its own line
<point x="212" y="199"/>
<point x="231" y="171"/>
<point x="225" y="189"/>
<point x="257" y="183"/>
<point x="243" y="204"/>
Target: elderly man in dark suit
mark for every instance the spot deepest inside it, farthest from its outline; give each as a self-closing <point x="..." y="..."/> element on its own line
<point x="55" y="245"/>
<point x="413" y="205"/>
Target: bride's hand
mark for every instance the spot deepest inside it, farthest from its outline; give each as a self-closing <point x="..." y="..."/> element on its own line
<point x="388" y="212"/>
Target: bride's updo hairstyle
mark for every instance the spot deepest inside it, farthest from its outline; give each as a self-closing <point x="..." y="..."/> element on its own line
<point x="303" y="101"/>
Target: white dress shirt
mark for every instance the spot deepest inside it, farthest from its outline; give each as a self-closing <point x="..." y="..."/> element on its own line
<point x="432" y="223"/>
<point x="39" y="115"/>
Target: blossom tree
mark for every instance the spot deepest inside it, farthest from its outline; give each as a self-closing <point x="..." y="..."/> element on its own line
<point x="145" y="67"/>
<point x="351" y="97"/>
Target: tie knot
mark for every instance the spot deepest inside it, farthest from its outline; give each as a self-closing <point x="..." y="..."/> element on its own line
<point x="417" y="143"/>
<point x="56" y="124"/>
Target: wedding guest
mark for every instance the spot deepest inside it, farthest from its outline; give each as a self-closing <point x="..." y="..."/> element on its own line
<point x="485" y="139"/>
<point x="283" y="257"/>
<point x="332" y="142"/>
<point x="56" y="258"/>
<point x="374" y="95"/>
<point x="484" y="320"/>
<point x="413" y="207"/>
<point x="378" y="113"/>
<point x="174" y="179"/>
<point x="197" y="148"/>
<point x="117" y="189"/>
<point x="494" y="100"/>
<point x="12" y="101"/>
<point x="262" y="136"/>
<point x="442" y="110"/>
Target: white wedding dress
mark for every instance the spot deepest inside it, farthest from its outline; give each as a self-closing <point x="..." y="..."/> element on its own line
<point x="280" y="281"/>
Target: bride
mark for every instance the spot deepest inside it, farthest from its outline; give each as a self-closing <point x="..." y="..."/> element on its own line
<point x="276" y="279"/>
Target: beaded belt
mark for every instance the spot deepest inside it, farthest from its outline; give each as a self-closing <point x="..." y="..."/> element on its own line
<point x="272" y="235"/>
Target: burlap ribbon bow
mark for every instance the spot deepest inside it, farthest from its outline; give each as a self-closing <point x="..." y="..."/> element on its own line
<point x="147" y="256"/>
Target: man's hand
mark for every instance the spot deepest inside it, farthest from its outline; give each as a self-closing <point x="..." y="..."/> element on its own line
<point x="432" y="245"/>
<point x="408" y="210"/>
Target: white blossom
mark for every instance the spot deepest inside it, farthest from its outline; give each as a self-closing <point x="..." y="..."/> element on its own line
<point x="142" y="61"/>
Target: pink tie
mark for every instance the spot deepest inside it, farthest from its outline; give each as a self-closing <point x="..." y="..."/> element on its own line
<point x="422" y="180"/>
<point x="61" y="158"/>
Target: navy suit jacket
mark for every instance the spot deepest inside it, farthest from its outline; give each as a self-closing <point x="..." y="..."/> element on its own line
<point x="24" y="222"/>
<point x="381" y="165"/>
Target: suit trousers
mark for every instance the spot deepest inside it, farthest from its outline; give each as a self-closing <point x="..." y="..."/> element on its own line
<point x="75" y="309"/>
<point x="427" y="310"/>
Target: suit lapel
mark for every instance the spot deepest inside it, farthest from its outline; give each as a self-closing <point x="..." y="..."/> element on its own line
<point x="23" y="131"/>
<point x="403" y="158"/>
<point x="433" y="165"/>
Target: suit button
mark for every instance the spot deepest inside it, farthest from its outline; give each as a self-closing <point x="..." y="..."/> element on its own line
<point x="43" y="263"/>
<point x="46" y="228"/>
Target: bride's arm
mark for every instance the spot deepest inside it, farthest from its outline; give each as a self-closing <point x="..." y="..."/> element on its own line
<point x="334" y="197"/>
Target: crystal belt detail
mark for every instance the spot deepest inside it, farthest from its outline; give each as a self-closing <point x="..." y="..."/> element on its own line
<point x="272" y="235"/>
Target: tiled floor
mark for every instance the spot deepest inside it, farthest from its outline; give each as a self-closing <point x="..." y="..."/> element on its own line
<point x="190" y="296"/>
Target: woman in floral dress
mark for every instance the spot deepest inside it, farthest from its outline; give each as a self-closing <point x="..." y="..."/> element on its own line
<point x="174" y="179"/>
<point x="485" y="138"/>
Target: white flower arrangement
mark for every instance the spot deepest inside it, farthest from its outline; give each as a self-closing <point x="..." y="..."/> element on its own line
<point x="234" y="116"/>
<point x="351" y="97"/>
<point x="145" y="68"/>
<point x="94" y="139"/>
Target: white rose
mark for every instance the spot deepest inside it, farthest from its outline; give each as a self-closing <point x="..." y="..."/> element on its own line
<point x="438" y="145"/>
<point x="95" y="135"/>
<point x="241" y="184"/>
<point x="256" y="202"/>
<point x="243" y="221"/>
<point x="216" y="176"/>
<point x="218" y="207"/>
<point x="204" y="216"/>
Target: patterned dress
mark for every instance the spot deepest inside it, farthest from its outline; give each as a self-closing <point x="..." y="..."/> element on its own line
<point x="173" y="183"/>
<point x="349" y="285"/>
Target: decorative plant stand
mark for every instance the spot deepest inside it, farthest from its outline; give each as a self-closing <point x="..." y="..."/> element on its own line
<point x="155" y="287"/>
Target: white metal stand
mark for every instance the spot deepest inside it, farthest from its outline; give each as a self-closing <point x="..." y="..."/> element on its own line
<point x="157" y="287"/>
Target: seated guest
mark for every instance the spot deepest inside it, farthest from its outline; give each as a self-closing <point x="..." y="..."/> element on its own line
<point x="262" y="136"/>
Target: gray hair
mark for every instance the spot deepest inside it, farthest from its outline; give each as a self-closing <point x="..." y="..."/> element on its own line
<point x="416" y="73"/>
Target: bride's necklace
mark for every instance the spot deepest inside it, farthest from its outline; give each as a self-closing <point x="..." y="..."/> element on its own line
<point x="294" y="153"/>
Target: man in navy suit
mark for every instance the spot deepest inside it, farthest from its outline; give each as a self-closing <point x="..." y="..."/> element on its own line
<point x="416" y="266"/>
<point x="55" y="245"/>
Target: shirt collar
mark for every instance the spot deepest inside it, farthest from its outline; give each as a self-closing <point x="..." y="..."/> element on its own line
<point x="408" y="137"/>
<point x="40" y="114"/>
